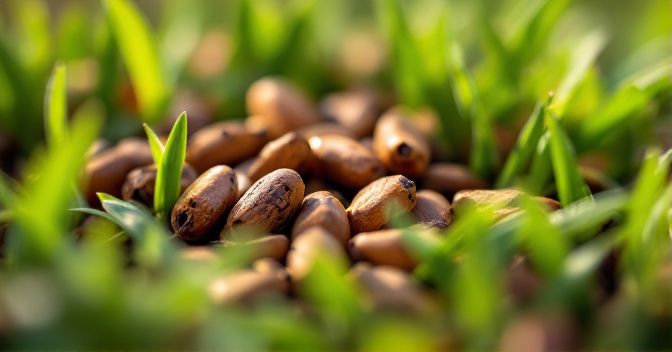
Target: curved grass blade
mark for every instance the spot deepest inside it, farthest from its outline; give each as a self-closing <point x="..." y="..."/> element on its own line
<point x="41" y="207"/>
<point x="155" y="144"/>
<point x="540" y="168"/>
<point x="141" y="57"/>
<point x="525" y="147"/>
<point x="570" y="184"/>
<point x="169" y="171"/>
<point x="56" y="106"/>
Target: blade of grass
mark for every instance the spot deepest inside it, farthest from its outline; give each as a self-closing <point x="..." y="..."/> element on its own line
<point x="42" y="217"/>
<point x="525" y="147"/>
<point x="546" y="245"/>
<point x="582" y="58"/>
<point x="540" y="169"/>
<point x="483" y="157"/>
<point x="570" y="184"/>
<point x="56" y="106"/>
<point x="169" y="171"/>
<point x="141" y="56"/>
<point x="155" y="144"/>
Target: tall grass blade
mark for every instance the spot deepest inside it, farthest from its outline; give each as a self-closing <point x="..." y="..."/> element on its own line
<point x="155" y="144"/>
<point x="141" y="56"/>
<point x="570" y="184"/>
<point x="169" y="171"/>
<point x="56" y="106"/>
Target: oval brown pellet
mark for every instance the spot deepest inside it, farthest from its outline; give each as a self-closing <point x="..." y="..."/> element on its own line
<point x="400" y="146"/>
<point x="432" y="209"/>
<point x="367" y="212"/>
<point x="345" y="162"/>
<point x="449" y="178"/>
<point x="289" y="151"/>
<point x="246" y="286"/>
<point x="308" y="246"/>
<point x="270" y="202"/>
<point x="356" y="110"/>
<point x="324" y="129"/>
<point x="391" y="289"/>
<point x="223" y="143"/>
<point x="387" y="247"/>
<point x="106" y="172"/>
<point x="503" y="198"/>
<point x="322" y="209"/>
<point x="140" y="182"/>
<point x="198" y="254"/>
<point x="203" y="205"/>
<point x="271" y="266"/>
<point x="283" y="106"/>
<point x="271" y="246"/>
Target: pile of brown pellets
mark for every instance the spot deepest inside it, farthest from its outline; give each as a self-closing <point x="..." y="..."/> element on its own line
<point x="296" y="180"/>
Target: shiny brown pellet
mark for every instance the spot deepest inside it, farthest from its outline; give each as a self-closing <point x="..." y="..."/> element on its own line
<point x="289" y="151"/>
<point x="106" y="171"/>
<point x="281" y="106"/>
<point x="367" y="212"/>
<point x="322" y="209"/>
<point x="449" y="178"/>
<point x="391" y="289"/>
<point x="204" y="203"/>
<point x="140" y="182"/>
<point x="357" y="110"/>
<point x="270" y="203"/>
<point x="400" y="146"/>
<point x="432" y="209"/>
<point x="308" y="246"/>
<point x="345" y="162"/>
<point x="271" y="246"/>
<point x="223" y="143"/>
<point x="387" y="247"/>
<point x="246" y="287"/>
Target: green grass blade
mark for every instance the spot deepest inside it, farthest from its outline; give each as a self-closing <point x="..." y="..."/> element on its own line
<point x="41" y="209"/>
<point x="532" y="37"/>
<point x="570" y="184"/>
<point x="546" y="245"/>
<point x="541" y="168"/>
<point x="141" y="56"/>
<point x="526" y="144"/>
<point x="582" y="59"/>
<point x="169" y="171"/>
<point x="96" y="212"/>
<point x="155" y="144"/>
<point x="56" y="106"/>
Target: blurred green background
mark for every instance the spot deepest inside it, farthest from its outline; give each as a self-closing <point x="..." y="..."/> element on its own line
<point x="482" y="66"/>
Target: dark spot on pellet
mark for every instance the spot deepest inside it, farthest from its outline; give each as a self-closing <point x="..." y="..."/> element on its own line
<point x="410" y="197"/>
<point x="406" y="182"/>
<point x="193" y="203"/>
<point x="225" y="134"/>
<point x="238" y="222"/>
<point x="182" y="219"/>
<point x="231" y="179"/>
<point x="286" y="189"/>
<point x="404" y="149"/>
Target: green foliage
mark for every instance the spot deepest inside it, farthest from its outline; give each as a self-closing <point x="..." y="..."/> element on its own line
<point x="140" y="53"/>
<point x="56" y="106"/>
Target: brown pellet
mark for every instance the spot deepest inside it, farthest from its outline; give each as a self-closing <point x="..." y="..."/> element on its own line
<point x="271" y="246"/>
<point x="270" y="202"/>
<point x="106" y="171"/>
<point x="246" y="287"/>
<point x="391" y="289"/>
<point x="140" y="182"/>
<point x="502" y="198"/>
<point x="387" y="247"/>
<point x="357" y="110"/>
<point x="324" y="129"/>
<point x="400" y="146"/>
<point x="345" y="162"/>
<point x="322" y="209"/>
<point x="449" y="178"/>
<point x="282" y="106"/>
<point x="432" y="209"/>
<point x="308" y="246"/>
<point x="204" y="203"/>
<point x="289" y="151"/>
<point x="367" y="212"/>
<point x="223" y="143"/>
